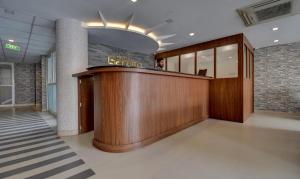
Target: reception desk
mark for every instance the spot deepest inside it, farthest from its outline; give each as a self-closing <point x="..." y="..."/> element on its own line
<point x="135" y="107"/>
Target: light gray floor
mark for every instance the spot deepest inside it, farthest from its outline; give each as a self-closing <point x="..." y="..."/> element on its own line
<point x="265" y="147"/>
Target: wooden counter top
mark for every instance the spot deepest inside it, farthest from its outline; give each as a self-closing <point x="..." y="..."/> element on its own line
<point x="93" y="70"/>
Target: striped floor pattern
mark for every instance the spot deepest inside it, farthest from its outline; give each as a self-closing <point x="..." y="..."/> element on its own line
<point x="30" y="149"/>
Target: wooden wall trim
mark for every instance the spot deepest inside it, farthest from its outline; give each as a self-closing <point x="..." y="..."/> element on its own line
<point x="201" y="46"/>
<point x="101" y="69"/>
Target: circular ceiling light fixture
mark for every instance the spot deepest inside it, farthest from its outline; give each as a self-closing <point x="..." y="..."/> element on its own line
<point x="276" y="41"/>
<point x="191" y="34"/>
<point x="133" y="1"/>
<point x="275" y="28"/>
<point x="129" y="27"/>
<point x="11" y="40"/>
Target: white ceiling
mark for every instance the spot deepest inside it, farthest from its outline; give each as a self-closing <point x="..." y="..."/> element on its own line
<point x="208" y="19"/>
<point x="35" y="38"/>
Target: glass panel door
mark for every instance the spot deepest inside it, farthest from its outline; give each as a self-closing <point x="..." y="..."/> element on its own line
<point x="6" y="84"/>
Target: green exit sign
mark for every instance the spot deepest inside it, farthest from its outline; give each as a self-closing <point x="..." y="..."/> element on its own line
<point x="13" y="47"/>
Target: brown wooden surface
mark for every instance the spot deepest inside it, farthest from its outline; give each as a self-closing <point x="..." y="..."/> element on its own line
<point x="248" y="83"/>
<point x="230" y="98"/>
<point x="133" y="109"/>
<point x="100" y="69"/>
<point x="224" y="100"/>
<point x="86" y="104"/>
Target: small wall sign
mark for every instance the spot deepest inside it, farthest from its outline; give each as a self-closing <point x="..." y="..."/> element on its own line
<point x="123" y="61"/>
<point x="12" y="47"/>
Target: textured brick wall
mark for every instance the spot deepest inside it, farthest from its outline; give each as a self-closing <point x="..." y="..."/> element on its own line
<point x="277" y="78"/>
<point x="38" y="86"/>
<point x="24" y="83"/>
<point x="98" y="54"/>
<point x="44" y="82"/>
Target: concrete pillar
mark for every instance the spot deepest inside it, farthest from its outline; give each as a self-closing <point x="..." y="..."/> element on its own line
<point x="72" y="57"/>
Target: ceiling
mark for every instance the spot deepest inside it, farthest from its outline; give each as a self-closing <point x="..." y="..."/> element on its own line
<point x="208" y="19"/>
<point x="34" y="35"/>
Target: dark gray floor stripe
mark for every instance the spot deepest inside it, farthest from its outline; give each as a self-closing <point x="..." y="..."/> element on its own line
<point x="30" y="157"/>
<point x="28" y="144"/>
<point x="36" y="165"/>
<point x="28" y="139"/>
<point x="26" y="132"/>
<point x="27" y="135"/>
<point x="22" y="128"/>
<point x="82" y="175"/>
<point x="57" y="170"/>
<point x="19" y="119"/>
<point x="31" y="149"/>
<point x="3" y="125"/>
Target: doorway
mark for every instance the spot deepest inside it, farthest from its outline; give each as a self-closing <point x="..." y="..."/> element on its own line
<point x="7" y="87"/>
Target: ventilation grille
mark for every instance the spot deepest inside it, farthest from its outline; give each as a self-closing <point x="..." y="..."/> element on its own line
<point x="268" y="10"/>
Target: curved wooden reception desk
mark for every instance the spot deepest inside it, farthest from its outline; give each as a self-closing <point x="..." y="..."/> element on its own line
<point x="135" y="107"/>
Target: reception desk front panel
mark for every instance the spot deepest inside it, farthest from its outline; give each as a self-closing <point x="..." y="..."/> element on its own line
<point x="136" y="107"/>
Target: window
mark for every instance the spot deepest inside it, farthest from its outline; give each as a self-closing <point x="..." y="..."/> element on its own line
<point x="227" y="61"/>
<point x="173" y="64"/>
<point x="187" y="63"/>
<point x="51" y="83"/>
<point x="205" y="60"/>
<point x="6" y="84"/>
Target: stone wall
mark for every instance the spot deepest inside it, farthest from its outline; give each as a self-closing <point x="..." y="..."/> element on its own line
<point x="98" y="54"/>
<point x="277" y="78"/>
<point x="44" y="83"/>
<point x="25" y="83"/>
<point x="38" y="86"/>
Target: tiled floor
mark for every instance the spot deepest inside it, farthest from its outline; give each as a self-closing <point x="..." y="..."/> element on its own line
<point x="29" y="148"/>
<point x="265" y="147"/>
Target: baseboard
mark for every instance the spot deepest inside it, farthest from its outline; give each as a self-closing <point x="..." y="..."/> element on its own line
<point x="67" y="133"/>
<point x="295" y="115"/>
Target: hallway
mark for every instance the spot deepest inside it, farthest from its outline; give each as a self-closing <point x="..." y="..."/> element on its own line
<point x="30" y="148"/>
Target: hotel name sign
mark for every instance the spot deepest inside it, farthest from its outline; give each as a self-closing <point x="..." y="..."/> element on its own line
<point x="123" y="61"/>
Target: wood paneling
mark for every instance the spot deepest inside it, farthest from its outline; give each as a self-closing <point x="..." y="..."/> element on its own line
<point x="224" y="100"/>
<point x="231" y="99"/>
<point x="86" y="104"/>
<point x="248" y="83"/>
<point x="136" y="107"/>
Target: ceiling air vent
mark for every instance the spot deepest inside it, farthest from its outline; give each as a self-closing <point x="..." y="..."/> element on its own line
<point x="268" y="10"/>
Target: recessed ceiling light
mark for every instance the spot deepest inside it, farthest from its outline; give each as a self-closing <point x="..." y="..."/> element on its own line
<point x="275" y="41"/>
<point x="230" y="57"/>
<point x="191" y="34"/>
<point x="275" y="28"/>
<point x="11" y="40"/>
<point x="133" y="0"/>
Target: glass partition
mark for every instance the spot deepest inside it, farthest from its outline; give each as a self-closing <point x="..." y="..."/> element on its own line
<point x="205" y="61"/>
<point x="51" y="83"/>
<point x="187" y="63"/>
<point x="173" y="64"/>
<point x="227" y="61"/>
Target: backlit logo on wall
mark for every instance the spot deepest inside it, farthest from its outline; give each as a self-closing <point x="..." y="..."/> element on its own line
<point x="123" y="61"/>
